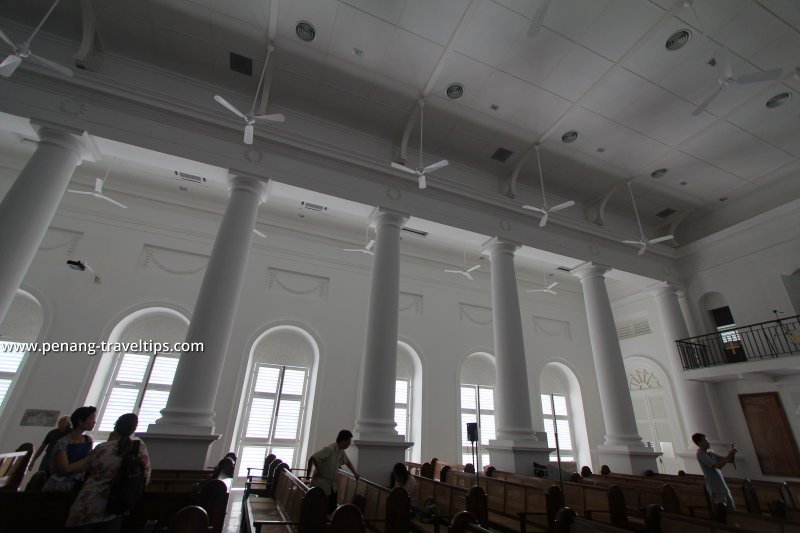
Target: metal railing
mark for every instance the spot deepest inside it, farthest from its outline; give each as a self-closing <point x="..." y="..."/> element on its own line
<point x="754" y="342"/>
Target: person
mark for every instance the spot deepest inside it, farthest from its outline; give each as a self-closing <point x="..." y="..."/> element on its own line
<point x="711" y="463"/>
<point x="605" y="470"/>
<point x="68" y="458"/>
<point x="586" y="471"/>
<point x="61" y="430"/>
<point x="88" y="513"/>
<point x="323" y="465"/>
<point x="404" y="480"/>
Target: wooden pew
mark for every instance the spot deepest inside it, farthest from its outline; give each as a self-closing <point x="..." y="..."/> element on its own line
<point x="294" y="504"/>
<point x="13" y="466"/>
<point x="568" y="521"/>
<point x="384" y="510"/>
<point x="659" y="521"/>
<point x="464" y="522"/>
<point x="449" y="500"/>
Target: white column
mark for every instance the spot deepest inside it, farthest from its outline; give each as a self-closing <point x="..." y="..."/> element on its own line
<point x="623" y="446"/>
<point x="516" y="446"/>
<point x="691" y="396"/>
<point x="376" y="440"/>
<point x="30" y="204"/>
<point x="688" y="316"/>
<point x="185" y="430"/>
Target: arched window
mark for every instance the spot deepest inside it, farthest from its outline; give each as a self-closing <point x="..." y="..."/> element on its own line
<point x="21" y="326"/>
<point x="135" y="379"/>
<point x="274" y="414"/>
<point x="478" y="378"/>
<point x="408" y="398"/>
<point x="560" y="389"/>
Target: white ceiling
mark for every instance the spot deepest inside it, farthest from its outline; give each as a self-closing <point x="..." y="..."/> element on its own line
<point x="599" y="67"/>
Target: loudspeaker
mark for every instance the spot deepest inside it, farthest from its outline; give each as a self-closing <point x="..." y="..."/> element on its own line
<point x="472" y="431"/>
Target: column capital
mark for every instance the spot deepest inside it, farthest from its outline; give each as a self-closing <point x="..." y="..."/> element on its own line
<point x="387" y="216"/>
<point x="246" y="182"/>
<point x="590" y="270"/>
<point x="76" y="141"/>
<point x="664" y="288"/>
<point x="496" y="245"/>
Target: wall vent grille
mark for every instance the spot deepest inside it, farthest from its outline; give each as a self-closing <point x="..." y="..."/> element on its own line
<point x="633" y="328"/>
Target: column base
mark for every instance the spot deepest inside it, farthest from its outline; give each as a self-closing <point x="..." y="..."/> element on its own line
<point x="628" y="459"/>
<point x="518" y="456"/>
<point x="374" y="459"/>
<point x="178" y="451"/>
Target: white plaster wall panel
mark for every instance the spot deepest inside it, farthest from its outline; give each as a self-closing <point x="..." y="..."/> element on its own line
<point x="297" y="284"/>
<point x="171" y="261"/>
<point x="64" y="241"/>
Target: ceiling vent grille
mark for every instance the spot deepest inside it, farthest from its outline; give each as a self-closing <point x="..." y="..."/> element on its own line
<point x="314" y="207"/>
<point x="455" y="91"/>
<point x="678" y="40"/>
<point x="659" y="173"/>
<point x="305" y="31"/>
<point x="416" y="232"/>
<point x="634" y="328"/>
<point x="502" y="154"/>
<point x="564" y="269"/>
<point x="190" y="177"/>
<point x="569" y="137"/>
<point x="666" y="212"/>
<point x="241" y="64"/>
<point x="778" y="100"/>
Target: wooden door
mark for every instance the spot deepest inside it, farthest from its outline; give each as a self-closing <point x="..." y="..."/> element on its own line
<point x="772" y="437"/>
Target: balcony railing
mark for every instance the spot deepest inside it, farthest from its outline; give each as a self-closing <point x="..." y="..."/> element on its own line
<point x="755" y="342"/>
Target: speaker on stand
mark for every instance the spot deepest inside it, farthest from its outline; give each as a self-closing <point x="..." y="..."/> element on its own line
<point x="472" y="437"/>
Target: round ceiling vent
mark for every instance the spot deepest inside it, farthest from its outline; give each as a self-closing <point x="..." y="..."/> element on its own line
<point x="305" y="31"/>
<point x="778" y="100"/>
<point x="678" y="40"/>
<point x="455" y="91"/>
<point x="658" y="173"/>
<point x="569" y="137"/>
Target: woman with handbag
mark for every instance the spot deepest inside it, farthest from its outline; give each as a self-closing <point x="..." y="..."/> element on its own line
<point x="68" y="458"/>
<point x="89" y="513"/>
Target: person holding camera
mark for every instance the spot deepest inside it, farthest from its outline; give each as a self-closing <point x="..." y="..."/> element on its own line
<point x="711" y="463"/>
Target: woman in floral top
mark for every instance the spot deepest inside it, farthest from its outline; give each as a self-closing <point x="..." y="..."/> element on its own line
<point x="88" y="514"/>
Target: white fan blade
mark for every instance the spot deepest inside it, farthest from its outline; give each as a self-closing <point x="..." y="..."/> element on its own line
<point x="660" y="239"/>
<point x="404" y="168"/>
<point x="551" y="285"/>
<point x="702" y="107"/>
<point x="641" y="250"/>
<point x="565" y="205"/>
<point x="248" y="134"/>
<point x="538" y="19"/>
<point x="75" y="191"/>
<point x="52" y="65"/>
<point x="260" y="233"/>
<point x="454" y="271"/>
<point x="543" y="220"/>
<point x="436" y="166"/>
<point x="535" y="290"/>
<point x="758" y="76"/>
<point x="548" y="291"/>
<point x="98" y="185"/>
<point x="531" y="208"/>
<point x="9" y="65"/>
<point x="8" y="41"/>
<point x="472" y="269"/>
<point x="227" y="104"/>
<point x="467" y="274"/>
<point x="723" y="59"/>
<point x="270" y="118"/>
<point x="118" y="204"/>
<point x="423" y="184"/>
<point x="352" y="249"/>
<point x="370" y="244"/>
<point x="636" y="243"/>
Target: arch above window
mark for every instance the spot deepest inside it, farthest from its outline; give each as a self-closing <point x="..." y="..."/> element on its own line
<point x="22" y="324"/>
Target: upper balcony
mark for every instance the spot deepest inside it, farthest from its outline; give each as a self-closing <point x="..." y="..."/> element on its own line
<point x="755" y="349"/>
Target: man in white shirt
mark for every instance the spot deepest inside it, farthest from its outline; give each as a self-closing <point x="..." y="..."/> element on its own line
<point x="324" y="464"/>
<point x="711" y="463"/>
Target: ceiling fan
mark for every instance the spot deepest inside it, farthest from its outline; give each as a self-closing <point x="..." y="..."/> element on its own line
<point x="420" y="171"/>
<point x="251" y="118"/>
<point x="643" y="242"/>
<point x="23" y="52"/>
<point x="98" y="190"/>
<point x="548" y="288"/>
<point x="538" y="18"/>
<point x="367" y="249"/>
<point x="259" y="233"/>
<point x="545" y="209"/>
<point x="722" y="61"/>
<point x="466" y="272"/>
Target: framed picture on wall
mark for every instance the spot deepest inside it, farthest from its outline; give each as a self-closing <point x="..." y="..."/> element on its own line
<point x="772" y="437"/>
<point x="39" y="417"/>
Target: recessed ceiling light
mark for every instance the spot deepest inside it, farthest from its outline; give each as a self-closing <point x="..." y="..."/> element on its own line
<point x="305" y="31"/>
<point x="455" y="91"/>
<point x="678" y="40"/>
<point x="659" y="172"/>
<point x="778" y="100"/>
<point x="569" y="137"/>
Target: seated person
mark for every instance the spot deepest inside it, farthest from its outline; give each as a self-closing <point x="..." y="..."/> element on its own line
<point x="68" y="460"/>
<point x="586" y="471"/>
<point x="404" y="480"/>
<point x="605" y="470"/>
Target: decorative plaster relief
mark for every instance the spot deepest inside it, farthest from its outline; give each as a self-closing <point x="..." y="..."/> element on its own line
<point x="410" y="304"/>
<point x="172" y="261"/>
<point x="481" y="316"/>
<point x="297" y="284"/>
<point x="254" y="156"/>
<point x="393" y="194"/>
<point x="594" y="249"/>
<point x="56" y="238"/>
<point x="643" y="379"/>
<point x="552" y="327"/>
<point x="72" y="107"/>
<point x="504" y="224"/>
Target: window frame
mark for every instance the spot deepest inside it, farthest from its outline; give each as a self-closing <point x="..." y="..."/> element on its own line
<point x="572" y="451"/>
<point x="478" y="412"/>
<point x="12" y="377"/>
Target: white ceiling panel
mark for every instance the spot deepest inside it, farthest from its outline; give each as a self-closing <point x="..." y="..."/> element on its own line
<point x="736" y="151"/>
<point x="436" y="21"/>
<point x="461" y="69"/>
<point x="624" y="147"/>
<point x="534" y="58"/>
<point x="295" y="56"/>
<point x="779" y="126"/>
<point x="577" y="73"/>
<point x="712" y="15"/>
<point x="410" y="58"/>
<point x="653" y="61"/>
<point x="350" y="77"/>
<point x="573" y="18"/>
<point x="620" y="26"/>
<point x="389" y="11"/>
<point x="788" y="10"/>
<point x="753" y="29"/>
<point x="586" y="123"/>
<point x="524" y="7"/>
<point x="355" y="29"/>
<point x="783" y="52"/>
<point x="615" y="93"/>
<point x="321" y="13"/>
<point x="490" y="33"/>
<point x="702" y="180"/>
